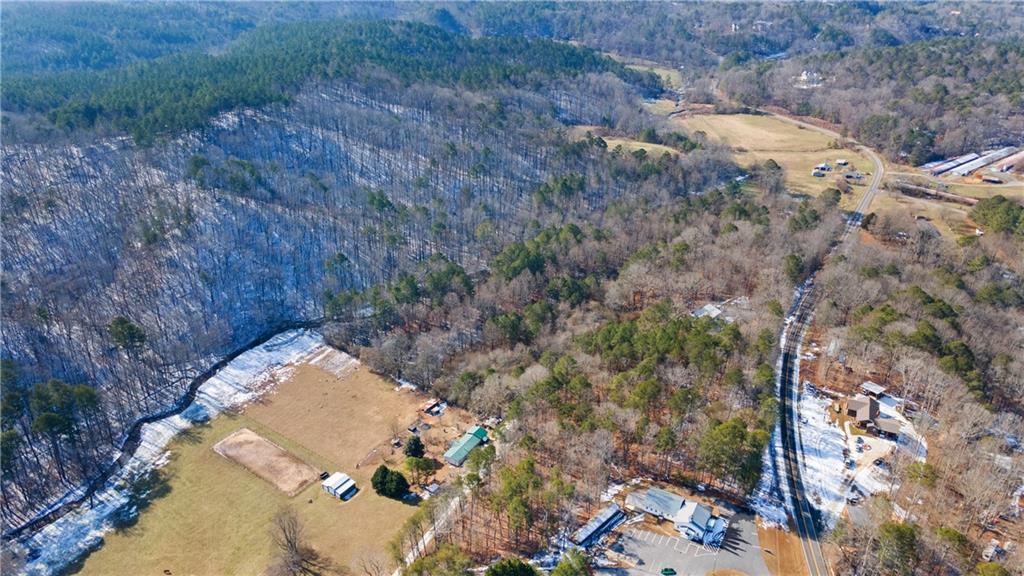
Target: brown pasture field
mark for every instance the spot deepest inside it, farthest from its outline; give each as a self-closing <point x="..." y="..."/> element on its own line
<point x="267" y="460"/>
<point x="758" y="138"/>
<point x="628" y="144"/>
<point x="216" y="516"/>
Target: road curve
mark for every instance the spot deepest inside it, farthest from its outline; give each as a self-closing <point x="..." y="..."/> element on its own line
<point x="804" y="514"/>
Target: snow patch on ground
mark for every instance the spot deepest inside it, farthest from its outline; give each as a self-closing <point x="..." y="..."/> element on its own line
<point x="821" y="448"/>
<point x="770" y="499"/>
<point x="243" y="380"/>
<point x="335" y="361"/>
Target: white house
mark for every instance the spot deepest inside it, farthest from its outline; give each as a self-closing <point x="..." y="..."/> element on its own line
<point x="693" y="520"/>
<point x="339" y="485"/>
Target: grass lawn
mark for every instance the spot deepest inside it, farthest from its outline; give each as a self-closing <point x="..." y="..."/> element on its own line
<point x="215" y="516"/>
<point x="756" y="138"/>
<point x="628" y="144"/>
<point x="669" y="76"/>
<point x="1013" y="190"/>
<point x="948" y="218"/>
<point x="661" y="106"/>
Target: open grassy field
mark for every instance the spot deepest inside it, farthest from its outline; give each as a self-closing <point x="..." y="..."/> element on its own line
<point x="951" y="220"/>
<point x="757" y="138"/>
<point x="671" y="77"/>
<point x="782" y="552"/>
<point x="214" y="516"/>
<point x="971" y="186"/>
<point x="981" y="190"/>
<point x="627" y="144"/>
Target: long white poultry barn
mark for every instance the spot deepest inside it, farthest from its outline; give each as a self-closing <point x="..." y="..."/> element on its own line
<point x="985" y="160"/>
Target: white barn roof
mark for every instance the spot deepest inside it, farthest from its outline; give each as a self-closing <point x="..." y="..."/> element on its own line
<point x="872" y="388"/>
<point x="335" y="481"/>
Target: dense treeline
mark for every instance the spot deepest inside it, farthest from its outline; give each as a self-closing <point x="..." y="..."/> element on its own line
<point x="267" y="65"/>
<point x="917" y="101"/>
<point x="97" y="35"/>
<point x="999" y="214"/>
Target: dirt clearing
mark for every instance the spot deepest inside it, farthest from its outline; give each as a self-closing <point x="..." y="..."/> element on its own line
<point x="267" y="460"/>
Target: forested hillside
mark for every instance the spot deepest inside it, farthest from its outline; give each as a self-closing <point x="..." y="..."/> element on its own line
<point x="97" y="35"/>
<point x="477" y="199"/>
<point x="167" y="95"/>
<point x="133" y="269"/>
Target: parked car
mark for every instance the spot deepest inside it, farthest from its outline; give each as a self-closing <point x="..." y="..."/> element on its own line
<point x="668" y="572"/>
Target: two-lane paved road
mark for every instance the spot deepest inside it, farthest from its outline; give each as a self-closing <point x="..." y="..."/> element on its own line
<point x="804" y="514"/>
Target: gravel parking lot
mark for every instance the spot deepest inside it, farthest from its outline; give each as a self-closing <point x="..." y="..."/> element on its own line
<point x="739" y="552"/>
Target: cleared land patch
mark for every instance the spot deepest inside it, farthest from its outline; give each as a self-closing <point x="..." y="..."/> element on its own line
<point x="267" y="460"/>
<point x="628" y="144"/>
<point x="215" y="516"/>
<point x="758" y="138"/>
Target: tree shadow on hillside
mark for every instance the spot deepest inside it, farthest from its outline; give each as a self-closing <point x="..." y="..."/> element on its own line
<point x="193" y="434"/>
<point x="142" y="493"/>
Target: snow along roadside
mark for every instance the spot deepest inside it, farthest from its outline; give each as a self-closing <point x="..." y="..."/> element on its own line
<point x="241" y="381"/>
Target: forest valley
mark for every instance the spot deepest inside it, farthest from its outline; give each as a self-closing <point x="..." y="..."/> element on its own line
<point x="439" y="218"/>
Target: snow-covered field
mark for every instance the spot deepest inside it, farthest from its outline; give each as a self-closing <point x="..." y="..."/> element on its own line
<point x="244" y="379"/>
<point x="821" y="449"/>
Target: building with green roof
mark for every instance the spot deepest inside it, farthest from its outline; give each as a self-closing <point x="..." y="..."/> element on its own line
<point x="460" y="449"/>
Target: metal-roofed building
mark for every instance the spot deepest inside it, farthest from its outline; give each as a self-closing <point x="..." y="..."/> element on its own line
<point x="592" y="531"/>
<point x="691" y="519"/>
<point x="460" y="449"/>
<point x="967" y="169"/>
<point x="656" y="502"/>
<point x="950" y="164"/>
<point x="709" y="310"/>
<point x="339" y="485"/>
<point x="872" y="389"/>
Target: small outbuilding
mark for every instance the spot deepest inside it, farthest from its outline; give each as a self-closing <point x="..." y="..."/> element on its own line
<point x="339" y="485"/>
<point x="708" y="310"/>
<point x="872" y="389"/>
